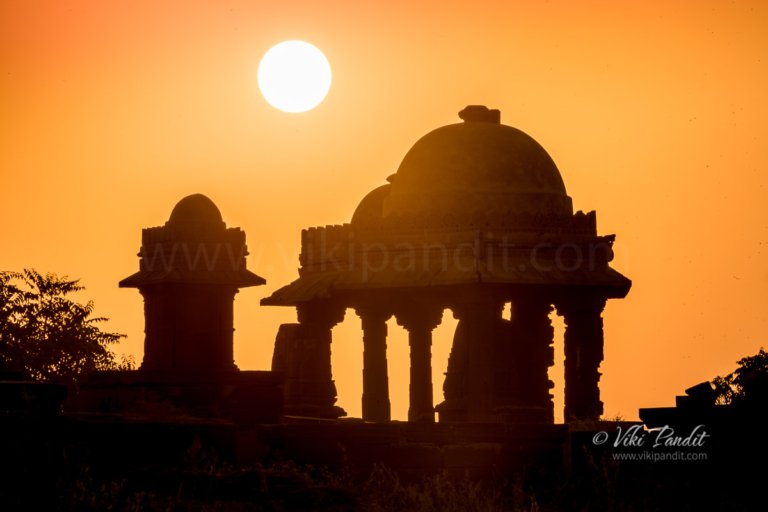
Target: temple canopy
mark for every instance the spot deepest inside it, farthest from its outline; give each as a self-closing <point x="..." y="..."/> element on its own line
<point x="473" y="202"/>
<point x="194" y="246"/>
<point x="477" y="215"/>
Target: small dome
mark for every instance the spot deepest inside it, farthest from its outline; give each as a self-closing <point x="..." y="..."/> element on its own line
<point x="195" y="209"/>
<point x="371" y="208"/>
<point x="478" y="166"/>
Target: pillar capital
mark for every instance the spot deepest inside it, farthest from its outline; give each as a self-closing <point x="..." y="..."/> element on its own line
<point x="583" y="304"/>
<point x="419" y="317"/>
<point x="372" y="314"/>
<point x="477" y="306"/>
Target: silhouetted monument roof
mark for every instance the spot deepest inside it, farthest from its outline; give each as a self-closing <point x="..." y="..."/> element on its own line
<point x="371" y="207"/>
<point x="479" y="165"/>
<point x="194" y="246"/>
<point x="472" y="202"/>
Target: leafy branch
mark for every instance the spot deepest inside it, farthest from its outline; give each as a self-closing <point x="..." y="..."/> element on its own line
<point x="47" y="336"/>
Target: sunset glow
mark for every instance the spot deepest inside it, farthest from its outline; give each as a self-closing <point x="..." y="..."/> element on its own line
<point x="654" y="114"/>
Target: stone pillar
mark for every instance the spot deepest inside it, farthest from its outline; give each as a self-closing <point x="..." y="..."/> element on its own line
<point x="287" y="359"/>
<point x="420" y="321"/>
<point x="583" y="355"/>
<point x="376" y="406"/>
<point x="532" y="355"/>
<point x="478" y="324"/>
<point x="315" y="392"/>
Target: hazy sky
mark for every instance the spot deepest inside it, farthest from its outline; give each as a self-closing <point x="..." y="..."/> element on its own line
<point x="655" y="115"/>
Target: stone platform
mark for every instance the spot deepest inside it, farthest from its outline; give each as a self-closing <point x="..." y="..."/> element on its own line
<point x="246" y="397"/>
<point x="411" y="450"/>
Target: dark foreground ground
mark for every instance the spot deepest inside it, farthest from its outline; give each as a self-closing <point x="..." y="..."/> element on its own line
<point x="112" y="463"/>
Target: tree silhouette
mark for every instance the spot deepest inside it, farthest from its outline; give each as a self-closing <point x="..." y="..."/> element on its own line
<point x="45" y="335"/>
<point x="747" y="384"/>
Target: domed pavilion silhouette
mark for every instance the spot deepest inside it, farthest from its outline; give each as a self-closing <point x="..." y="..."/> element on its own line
<point x="476" y="216"/>
<point x="189" y="273"/>
<point x="190" y="270"/>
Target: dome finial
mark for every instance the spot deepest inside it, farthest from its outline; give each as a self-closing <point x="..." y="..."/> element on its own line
<point x="480" y="114"/>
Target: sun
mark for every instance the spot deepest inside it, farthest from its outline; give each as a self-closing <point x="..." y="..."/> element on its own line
<point x="294" y="76"/>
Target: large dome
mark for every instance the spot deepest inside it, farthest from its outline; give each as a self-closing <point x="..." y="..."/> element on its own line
<point x="478" y="166"/>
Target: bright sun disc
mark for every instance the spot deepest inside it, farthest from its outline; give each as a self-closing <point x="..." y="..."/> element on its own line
<point x="294" y="76"/>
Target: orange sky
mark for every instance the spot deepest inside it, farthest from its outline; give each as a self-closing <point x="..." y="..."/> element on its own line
<point x="655" y="115"/>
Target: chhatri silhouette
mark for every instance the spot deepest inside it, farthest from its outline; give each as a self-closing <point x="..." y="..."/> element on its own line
<point x="476" y="216"/>
<point x="190" y="271"/>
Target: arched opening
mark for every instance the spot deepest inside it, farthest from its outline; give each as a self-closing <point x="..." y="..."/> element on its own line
<point x="347" y="363"/>
<point x="506" y="313"/>
<point x="398" y="358"/>
<point x="442" y="342"/>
